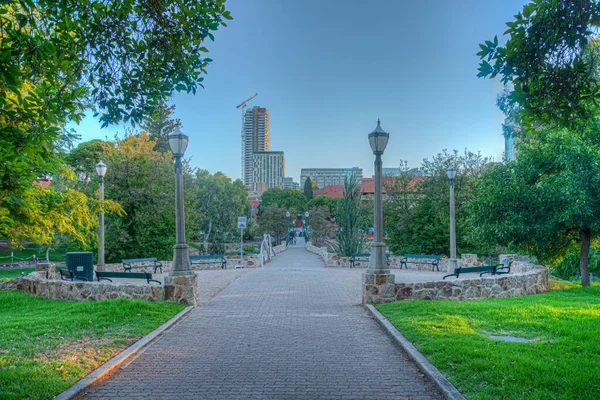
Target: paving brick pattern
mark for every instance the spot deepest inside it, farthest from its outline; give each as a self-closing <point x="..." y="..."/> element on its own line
<point x="292" y="330"/>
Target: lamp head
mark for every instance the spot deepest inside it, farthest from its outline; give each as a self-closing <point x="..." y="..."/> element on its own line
<point x="101" y="169"/>
<point x="306" y="214"/>
<point x="451" y="172"/>
<point x="287" y="214"/>
<point x="178" y="142"/>
<point x="378" y="139"/>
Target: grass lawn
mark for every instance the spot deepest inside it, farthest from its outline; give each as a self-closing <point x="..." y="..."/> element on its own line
<point x="11" y="273"/>
<point x="59" y="254"/>
<point x="48" y="345"/>
<point x="563" y="361"/>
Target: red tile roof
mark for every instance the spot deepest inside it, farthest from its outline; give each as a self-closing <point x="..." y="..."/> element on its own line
<point x="367" y="186"/>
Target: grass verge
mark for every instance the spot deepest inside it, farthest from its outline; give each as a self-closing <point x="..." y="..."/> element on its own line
<point x="562" y="361"/>
<point x="48" y="345"/>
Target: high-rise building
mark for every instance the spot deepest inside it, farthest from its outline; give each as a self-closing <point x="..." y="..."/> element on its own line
<point x="255" y="138"/>
<point x="289" y="184"/>
<point x="268" y="167"/>
<point x="329" y="176"/>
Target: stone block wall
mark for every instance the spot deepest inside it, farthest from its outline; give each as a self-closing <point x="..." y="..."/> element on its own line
<point x="320" y="251"/>
<point x="533" y="281"/>
<point x="278" y="249"/>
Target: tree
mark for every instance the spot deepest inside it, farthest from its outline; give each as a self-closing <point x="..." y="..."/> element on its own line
<point x="220" y="202"/>
<point x="324" y="201"/>
<point x="417" y="212"/>
<point x="349" y="219"/>
<point x="546" y="200"/>
<point x="550" y="62"/>
<point x="161" y="124"/>
<point x="550" y="66"/>
<point x="308" y="189"/>
<point x="320" y="225"/>
<point x="55" y="216"/>
<point x="289" y="199"/>
<point x="84" y="157"/>
<point x="142" y="181"/>
<point x="59" y="58"/>
<point x="273" y="221"/>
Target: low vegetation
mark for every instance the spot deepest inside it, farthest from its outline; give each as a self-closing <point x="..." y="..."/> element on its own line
<point x="561" y="361"/>
<point x="48" y="345"/>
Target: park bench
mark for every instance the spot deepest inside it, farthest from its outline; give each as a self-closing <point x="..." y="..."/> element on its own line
<point x="434" y="260"/>
<point x="68" y="275"/>
<point x="209" y="259"/>
<point x="153" y="263"/>
<point x="365" y="257"/>
<point x="106" y="275"/>
<point x="498" y="269"/>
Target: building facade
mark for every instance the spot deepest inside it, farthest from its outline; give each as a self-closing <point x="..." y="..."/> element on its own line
<point x="255" y="138"/>
<point x="289" y="184"/>
<point x="329" y="176"/>
<point x="268" y="167"/>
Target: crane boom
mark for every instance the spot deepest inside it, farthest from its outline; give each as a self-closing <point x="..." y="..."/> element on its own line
<point x="243" y="103"/>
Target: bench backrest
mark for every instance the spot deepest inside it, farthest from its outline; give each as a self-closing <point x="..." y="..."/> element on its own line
<point x="464" y="270"/>
<point x="207" y="257"/>
<point x="422" y="256"/>
<point x="136" y="260"/>
<point x="130" y="275"/>
<point x="65" y="273"/>
<point x="361" y="254"/>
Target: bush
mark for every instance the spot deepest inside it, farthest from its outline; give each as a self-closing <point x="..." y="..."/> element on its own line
<point x="568" y="267"/>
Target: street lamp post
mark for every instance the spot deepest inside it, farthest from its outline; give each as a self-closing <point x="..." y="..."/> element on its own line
<point x="101" y="170"/>
<point x="287" y="233"/>
<point x="378" y="140"/>
<point x="178" y="142"/>
<point x="451" y="172"/>
<point x="306" y="235"/>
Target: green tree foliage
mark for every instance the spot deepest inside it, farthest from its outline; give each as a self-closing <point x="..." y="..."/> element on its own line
<point x="161" y="124"/>
<point x="545" y="201"/>
<point x="550" y="62"/>
<point x="288" y="199"/>
<point x="308" y="189"/>
<point x="417" y="210"/>
<point x="59" y="58"/>
<point x="83" y="159"/>
<point x="60" y="216"/>
<point x="219" y="202"/>
<point x="350" y="219"/>
<point x="320" y="225"/>
<point x="273" y="221"/>
<point x="142" y="181"/>
<point x="326" y="201"/>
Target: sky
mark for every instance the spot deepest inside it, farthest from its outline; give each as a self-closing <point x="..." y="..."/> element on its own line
<point x="328" y="69"/>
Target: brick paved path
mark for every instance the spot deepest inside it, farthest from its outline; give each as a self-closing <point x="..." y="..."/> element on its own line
<point x="292" y="330"/>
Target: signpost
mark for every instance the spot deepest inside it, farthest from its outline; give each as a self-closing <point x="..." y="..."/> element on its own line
<point x="242" y="224"/>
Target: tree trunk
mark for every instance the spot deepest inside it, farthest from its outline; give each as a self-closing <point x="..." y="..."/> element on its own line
<point x="586" y="236"/>
<point x="207" y="236"/>
<point x="48" y="253"/>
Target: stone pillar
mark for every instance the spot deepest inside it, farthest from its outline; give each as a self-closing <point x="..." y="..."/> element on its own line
<point x="47" y="270"/>
<point x="378" y="288"/>
<point x="182" y="289"/>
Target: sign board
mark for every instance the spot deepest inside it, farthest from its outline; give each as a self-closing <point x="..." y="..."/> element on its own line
<point x="242" y="223"/>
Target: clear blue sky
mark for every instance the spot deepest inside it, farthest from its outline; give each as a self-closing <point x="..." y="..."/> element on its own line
<point x="327" y="69"/>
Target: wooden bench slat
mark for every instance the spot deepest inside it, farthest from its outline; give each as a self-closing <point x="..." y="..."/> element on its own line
<point x="127" y="263"/>
<point x="216" y="259"/>
<point x="134" y="260"/>
<point x="434" y="263"/>
<point x="125" y="275"/>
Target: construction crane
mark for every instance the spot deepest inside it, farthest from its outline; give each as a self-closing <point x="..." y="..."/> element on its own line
<point x="242" y="105"/>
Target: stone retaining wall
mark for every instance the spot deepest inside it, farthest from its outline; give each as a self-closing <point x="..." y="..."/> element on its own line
<point x="320" y="251"/>
<point x="35" y="284"/>
<point x="531" y="282"/>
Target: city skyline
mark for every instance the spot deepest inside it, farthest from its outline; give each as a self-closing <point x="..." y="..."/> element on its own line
<point x="415" y="68"/>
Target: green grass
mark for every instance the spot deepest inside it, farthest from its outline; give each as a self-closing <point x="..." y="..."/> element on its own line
<point x="11" y="273"/>
<point x="59" y="254"/>
<point x="563" y="362"/>
<point x="48" y="345"/>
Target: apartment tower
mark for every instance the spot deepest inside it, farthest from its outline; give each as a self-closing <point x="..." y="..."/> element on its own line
<point x="255" y="138"/>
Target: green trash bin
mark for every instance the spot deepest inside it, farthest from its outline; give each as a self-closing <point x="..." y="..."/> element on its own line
<point x="82" y="264"/>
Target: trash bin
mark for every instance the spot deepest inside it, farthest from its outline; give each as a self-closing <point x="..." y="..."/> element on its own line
<point x="82" y="264"/>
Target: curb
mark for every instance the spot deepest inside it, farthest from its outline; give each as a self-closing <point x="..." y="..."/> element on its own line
<point x="439" y="380"/>
<point x="114" y="363"/>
